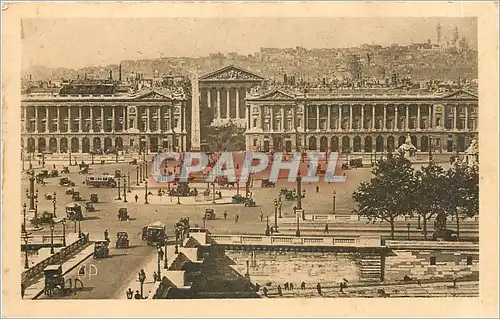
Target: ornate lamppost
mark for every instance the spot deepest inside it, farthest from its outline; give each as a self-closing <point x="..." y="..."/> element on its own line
<point x="334" y="208"/>
<point x="280" y="205"/>
<point x="52" y="238"/>
<point x="299" y="191"/>
<point x="64" y="231"/>
<point x="124" y="190"/>
<point x="268" y="230"/>
<point x="54" y="202"/>
<point x="160" y="257"/>
<point x="142" y="278"/>
<point x="237" y="186"/>
<point x="137" y="178"/>
<point x="165" y="263"/>
<point x="297" y="232"/>
<point x="26" y="262"/>
<point x="128" y="182"/>
<point x="146" y="192"/>
<point x="119" y="192"/>
<point x="140" y="173"/>
<point x="24" y="219"/>
<point x="275" y="215"/>
<point x="213" y="193"/>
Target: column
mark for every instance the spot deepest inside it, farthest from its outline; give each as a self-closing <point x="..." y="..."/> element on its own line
<point x="91" y="130"/>
<point x="418" y="117"/>
<point x="46" y="119"/>
<point x="350" y="117"/>
<point x="328" y="120"/>
<point x="407" y="115"/>
<point x="209" y="97"/>
<point x="80" y="120"/>
<point x="384" y="127"/>
<point x="271" y="121"/>
<point x="102" y="119"/>
<point x="261" y="116"/>
<point x="454" y="127"/>
<point x="373" y="117"/>
<point x="36" y="119"/>
<point x="113" y="119"/>
<point x="237" y="103"/>
<point x="396" y="118"/>
<point x="159" y="122"/>
<point x="282" y="108"/>
<point x="228" y="106"/>
<point x="429" y="119"/>
<point x="148" y="128"/>
<point x="58" y="127"/>
<point x="340" y="117"/>
<point x="317" y="118"/>
<point x="125" y="119"/>
<point x="362" y="117"/>
<point x="218" y="103"/>
<point x="466" y="117"/>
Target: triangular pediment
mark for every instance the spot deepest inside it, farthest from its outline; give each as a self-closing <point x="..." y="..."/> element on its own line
<point x="461" y="94"/>
<point x="153" y="95"/>
<point x="231" y="73"/>
<point x="276" y="95"/>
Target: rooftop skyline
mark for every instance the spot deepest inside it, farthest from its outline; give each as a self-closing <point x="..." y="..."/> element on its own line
<point x="76" y="43"/>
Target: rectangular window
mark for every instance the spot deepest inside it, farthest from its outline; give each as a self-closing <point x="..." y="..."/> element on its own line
<point x="254" y="142"/>
<point x="433" y="261"/>
<point x="469" y="260"/>
<point x="254" y="123"/>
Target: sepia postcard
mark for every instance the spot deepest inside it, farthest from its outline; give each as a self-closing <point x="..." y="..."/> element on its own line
<point x="250" y="159"/>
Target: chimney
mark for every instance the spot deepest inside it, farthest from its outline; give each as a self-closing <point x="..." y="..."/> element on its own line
<point x="120" y="73"/>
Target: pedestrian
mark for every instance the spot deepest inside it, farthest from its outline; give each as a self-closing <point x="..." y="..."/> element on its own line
<point x="225" y="215"/>
<point x="155" y="276"/>
<point x="136" y="197"/>
<point x="106" y="234"/>
<point x="326" y="229"/>
<point x="291" y="286"/>
<point x="303" y="286"/>
<point x="264" y="290"/>
<point x="342" y="287"/>
<point x="130" y="293"/>
<point x="280" y="292"/>
<point x="261" y="216"/>
<point x="318" y="287"/>
<point x="236" y="218"/>
<point x="454" y="282"/>
<point x="257" y="287"/>
<point x="176" y="249"/>
<point x="137" y="295"/>
<point x="143" y="273"/>
<point x="317" y="188"/>
<point x="285" y="285"/>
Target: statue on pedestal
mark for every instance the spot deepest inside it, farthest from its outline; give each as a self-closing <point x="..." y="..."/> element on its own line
<point x="472" y="153"/>
<point x="408" y="150"/>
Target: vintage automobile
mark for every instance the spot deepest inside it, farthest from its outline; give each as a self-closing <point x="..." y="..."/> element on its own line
<point x="66" y="182"/>
<point x="123" y="214"/>
<point x="444" y="235"/>
<point x="133" y="161"/>
<point x="118" y="173"/>
<point x="267" y="184"/>
<point x="48" y="196"/>
<point x="154" y="234"/>
<point x="74" y="211"/>
<point x="89" y="207"/>
<point x="94" y="198"/>
<point x="209" y="214"/>
<point x="238" y="199"/>
<point x="44" y="218"/>
<point x="84" y="168"/>
<point x="54" y="280"/>
<point x="70" y="191"/>
<point x="250" y="202"/>
<point x="65" y="170"/>
<point x="43" y="174"/>
<point x="122" y="240"/>
<point x="76" y="197"/>
<point x="54" y="173"/>
<point x="101" y="249"/>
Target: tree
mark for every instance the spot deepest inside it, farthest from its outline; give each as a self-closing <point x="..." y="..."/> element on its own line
<point x="462" y="192"/>
<point x="430" y="193"/>
<point x="389" y="193"/>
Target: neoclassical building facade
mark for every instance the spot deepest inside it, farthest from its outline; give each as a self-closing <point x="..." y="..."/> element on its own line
<point x="97" y="119"/>
<point x="360" y="122"/>
<point x="225" y="92"/>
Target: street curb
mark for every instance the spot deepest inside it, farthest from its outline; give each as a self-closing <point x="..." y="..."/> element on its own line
<point x="69" y="270"/>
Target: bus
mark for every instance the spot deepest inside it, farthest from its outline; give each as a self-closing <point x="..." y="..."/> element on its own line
<point x="100" y="181"/>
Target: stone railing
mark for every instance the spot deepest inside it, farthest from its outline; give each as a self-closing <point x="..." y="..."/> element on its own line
<point x="359" y="241"/>
<point x="56" y="258"/>
<point x="43" y="239"/>
<point x="444" y="245"/>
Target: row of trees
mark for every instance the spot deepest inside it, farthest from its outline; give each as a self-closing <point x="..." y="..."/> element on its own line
<point x="397" y="189"/>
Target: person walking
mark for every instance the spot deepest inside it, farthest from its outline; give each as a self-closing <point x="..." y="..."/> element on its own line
<point x="318" y="288"/>
<point x="236" y="218"/>
<point x="303" y="286"/>
<point x="326" y="229"/>
<point x="285" y="285"/>
<point x="317" y="188"/>
<point x="225" y="215"/>
<point x="130" y="293"/>
<point x="106" y="234"/>
<point x="137" y="295"/>
<point x="280" y="292"/>
<point x="291" y="286"/>
<point x="136" y="198"/>
<point x="261" y="216"/>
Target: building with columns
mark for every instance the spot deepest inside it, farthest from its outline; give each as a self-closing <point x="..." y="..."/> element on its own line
<point x="97" y="116"/>
<point x="225" y="91"/>
<point x="360" y="122"/>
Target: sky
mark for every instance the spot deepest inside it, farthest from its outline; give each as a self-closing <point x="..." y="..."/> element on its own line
<point x="75" y="43"/>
